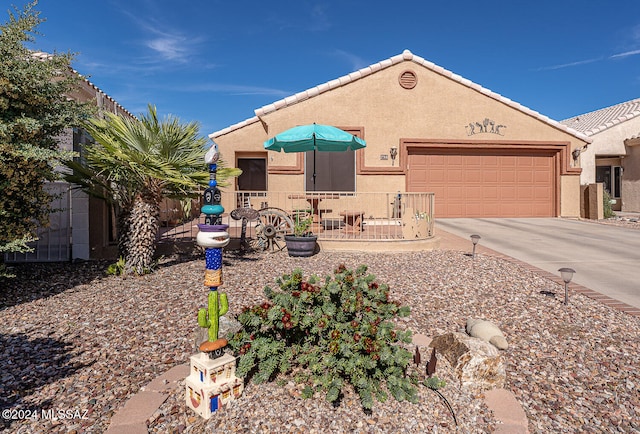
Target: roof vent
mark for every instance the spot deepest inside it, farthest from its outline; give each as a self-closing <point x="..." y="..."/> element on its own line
<point x="408" y="79"/>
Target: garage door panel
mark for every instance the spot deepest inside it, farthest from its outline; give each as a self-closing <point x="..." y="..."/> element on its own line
<point x="507" y="175"/>
<point x="507" y="161"/>
<point x="455" y="175"/>
<point x="490" y="193"/>
<point x="524" y="162"/>
<point x="474" y="175"/>
<point x="470" y="161"/>
<point x="455" y="209"/>
<point x="490" y="176"/>
<point x="526" y="194"/>
<point x="456" y="193"/>
<point x="490" y="161"/>
<point x="541" y="177"/>
<point x="541" y="194"/>
<point x="508" y="193"/>
<point x="483" y="183"/>
<point x="474" y="191"/>
<point x="454" y="160"/>
<point x="524" y="176"/>
<point x="524" y="209"/>
<point x="433" y="175"/>
<point x="474" y="209"/>
<point x="435" y="160"/>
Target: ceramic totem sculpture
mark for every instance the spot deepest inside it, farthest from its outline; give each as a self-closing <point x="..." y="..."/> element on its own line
<point x="212" y="381"/>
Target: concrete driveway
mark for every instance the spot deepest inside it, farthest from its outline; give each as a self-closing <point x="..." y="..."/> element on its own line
<point x="606" y="258"/>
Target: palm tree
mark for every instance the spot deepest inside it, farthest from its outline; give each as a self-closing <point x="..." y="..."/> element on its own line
<point x="134" y="164"/>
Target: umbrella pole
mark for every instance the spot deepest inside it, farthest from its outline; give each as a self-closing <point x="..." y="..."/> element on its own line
<point x="314" y="161"/>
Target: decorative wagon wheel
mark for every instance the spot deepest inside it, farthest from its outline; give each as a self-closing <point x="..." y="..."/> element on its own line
<point x="271" y="227"/>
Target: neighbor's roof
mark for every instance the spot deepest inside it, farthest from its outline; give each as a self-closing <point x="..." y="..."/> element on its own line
<point x="406" y="55"/>
<point x="44" y="56"/>
<point x="600" y="120"/>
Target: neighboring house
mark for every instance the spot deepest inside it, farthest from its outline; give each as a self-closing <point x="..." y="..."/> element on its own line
<point x="427" y="130"/>
<point x="613" y="157"/>
<point x="69" y="236"/>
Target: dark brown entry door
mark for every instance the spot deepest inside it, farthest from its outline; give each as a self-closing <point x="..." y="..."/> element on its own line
<point x="254" y="174"/>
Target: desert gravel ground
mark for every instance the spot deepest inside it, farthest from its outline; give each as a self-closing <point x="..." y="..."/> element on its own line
<point x="78" y="341"/>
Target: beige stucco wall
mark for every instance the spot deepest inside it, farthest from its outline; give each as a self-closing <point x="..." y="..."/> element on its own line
<point x="438" y="108"/>
<point x="569" y="191"/>
<point x="609" y="142"/>
<point x="631" y="178"/>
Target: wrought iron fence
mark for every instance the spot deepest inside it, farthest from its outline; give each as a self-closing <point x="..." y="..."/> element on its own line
<point x="334" y="215"/>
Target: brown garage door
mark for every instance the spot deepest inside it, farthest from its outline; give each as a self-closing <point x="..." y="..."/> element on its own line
<point x="485" y="182"/>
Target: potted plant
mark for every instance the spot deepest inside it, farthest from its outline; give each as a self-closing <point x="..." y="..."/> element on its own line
<point x="302" y="242"/>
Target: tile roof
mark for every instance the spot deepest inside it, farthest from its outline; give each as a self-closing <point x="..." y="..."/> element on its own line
<point x="600" y="120"/>
<point x="41" y="55"/>
<point x="635" y="137"/>
<point x="406" y="55"/>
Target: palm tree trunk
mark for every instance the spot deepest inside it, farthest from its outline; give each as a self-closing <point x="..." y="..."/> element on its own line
<point x="139" y="226"/>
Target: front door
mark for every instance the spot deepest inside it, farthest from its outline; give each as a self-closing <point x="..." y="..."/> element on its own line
<point x="254" y="174"/>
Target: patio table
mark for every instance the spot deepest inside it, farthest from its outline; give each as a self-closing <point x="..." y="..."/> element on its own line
<point x="314" y="200"/>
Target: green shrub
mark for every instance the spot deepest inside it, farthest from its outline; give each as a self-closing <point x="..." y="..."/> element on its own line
<point x="331" y="334"/>
<point x="118" y="268"/>
<point x="607" y="210"/>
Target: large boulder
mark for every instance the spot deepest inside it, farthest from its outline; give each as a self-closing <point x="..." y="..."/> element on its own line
<point x="477" y="363"/>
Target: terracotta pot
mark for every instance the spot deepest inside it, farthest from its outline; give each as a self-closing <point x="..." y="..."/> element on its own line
<point x="301" y="246"/>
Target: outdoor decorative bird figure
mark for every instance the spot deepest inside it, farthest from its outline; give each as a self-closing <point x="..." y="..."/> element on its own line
<point x="212" y="155"/>
<point x="431" y="364"/>
<point x="416" y="357"/>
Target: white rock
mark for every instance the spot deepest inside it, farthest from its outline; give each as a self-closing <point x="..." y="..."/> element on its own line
<point x="487" y="331"/>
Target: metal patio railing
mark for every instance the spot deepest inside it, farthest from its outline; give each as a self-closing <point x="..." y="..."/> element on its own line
<point x="366" y="216"/>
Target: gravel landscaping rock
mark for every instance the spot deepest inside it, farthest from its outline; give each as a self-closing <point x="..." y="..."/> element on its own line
<point x="74" y="339"/>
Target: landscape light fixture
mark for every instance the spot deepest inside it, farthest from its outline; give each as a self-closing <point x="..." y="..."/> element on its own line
<point x="474" y="240"/>
<point x="393" y="152"/>
<point x="567" y="275"/>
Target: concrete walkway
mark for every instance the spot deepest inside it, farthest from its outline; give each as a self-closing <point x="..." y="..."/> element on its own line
<point x="132" y="418"/>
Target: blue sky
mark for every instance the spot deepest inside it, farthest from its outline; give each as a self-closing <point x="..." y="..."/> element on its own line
<point x="216" y="61"/>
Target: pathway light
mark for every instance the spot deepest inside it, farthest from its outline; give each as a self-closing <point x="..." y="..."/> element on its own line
<point x="474" y="240"/>
<point x="567" y="275"/>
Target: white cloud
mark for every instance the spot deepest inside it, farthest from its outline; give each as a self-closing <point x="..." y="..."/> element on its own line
<point x="166" y="43"/>
<point x="568" y="65"/>
<point x="169" y="47"/>
<point x="319" y="19"/>
<point x="355" y="61"/>
<point x="235" y="89"/>
<point x="631" y="45"/>
<point x="625" y="54"/>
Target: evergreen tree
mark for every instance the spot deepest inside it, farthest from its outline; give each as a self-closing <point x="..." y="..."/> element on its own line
<point x="34" y="110"/>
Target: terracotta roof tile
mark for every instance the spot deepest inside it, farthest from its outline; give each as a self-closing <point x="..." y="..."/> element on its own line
<point x="406" y="55"/>
<point x="597" y="121"/>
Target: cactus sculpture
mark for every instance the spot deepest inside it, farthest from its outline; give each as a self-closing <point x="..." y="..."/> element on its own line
<point x="209" y="317"/>
<point x="213" y="237"/>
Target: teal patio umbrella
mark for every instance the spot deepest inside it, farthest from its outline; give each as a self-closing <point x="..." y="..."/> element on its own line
<point x="314" y="137"/>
